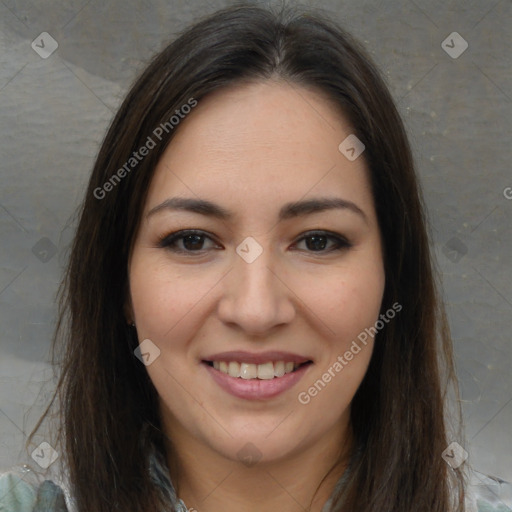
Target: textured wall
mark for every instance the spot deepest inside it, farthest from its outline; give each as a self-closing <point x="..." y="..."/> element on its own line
<point x="456" y="102"/>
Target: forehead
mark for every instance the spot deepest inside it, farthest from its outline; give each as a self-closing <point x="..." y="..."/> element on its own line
<point x="264" y="138"/>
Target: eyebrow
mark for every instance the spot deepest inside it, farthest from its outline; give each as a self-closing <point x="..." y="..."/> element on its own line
<point x="288" y="211"/>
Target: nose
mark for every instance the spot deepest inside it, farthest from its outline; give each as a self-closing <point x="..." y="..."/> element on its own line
<point x="255" y="296"/>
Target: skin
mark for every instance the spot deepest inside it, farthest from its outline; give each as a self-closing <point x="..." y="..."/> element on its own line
<point x="251" y="149"/>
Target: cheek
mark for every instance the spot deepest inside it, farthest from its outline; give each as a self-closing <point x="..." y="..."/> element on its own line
<point x="348" y="303"/>
<point x="169" y="306"/>
<point x="164" y="297"/>
<point x="350" y="306"/>
<point x="346" y="300"/>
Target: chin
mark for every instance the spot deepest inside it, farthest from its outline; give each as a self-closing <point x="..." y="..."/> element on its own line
<point x="258" y="447"/>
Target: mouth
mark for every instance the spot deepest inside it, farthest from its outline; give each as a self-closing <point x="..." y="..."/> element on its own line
<point x="249" y="371"/>
<point x="251" y="376"/>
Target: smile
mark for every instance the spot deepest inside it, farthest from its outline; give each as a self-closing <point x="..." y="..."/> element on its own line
<point x="265" y="371"/>
<point x="256" y="376"/>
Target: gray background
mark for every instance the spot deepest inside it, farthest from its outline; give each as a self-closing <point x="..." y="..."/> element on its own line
<point x="54" y="113"/>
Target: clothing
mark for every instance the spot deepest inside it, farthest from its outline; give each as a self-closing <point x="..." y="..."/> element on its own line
<point x="20" y="491"/>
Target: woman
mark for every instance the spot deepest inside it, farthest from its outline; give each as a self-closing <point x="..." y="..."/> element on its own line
<point x="250" y="316"/>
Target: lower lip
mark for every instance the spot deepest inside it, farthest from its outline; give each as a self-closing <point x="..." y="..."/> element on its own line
<point x="256" y="389"/>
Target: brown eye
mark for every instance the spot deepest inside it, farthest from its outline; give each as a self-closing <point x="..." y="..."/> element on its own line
<point x="193" y="242"/>
<point x="323" y="242"/>
<point x="188" y="241"/>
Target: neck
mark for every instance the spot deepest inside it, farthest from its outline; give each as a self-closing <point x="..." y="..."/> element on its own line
<point x="208" y="482"/>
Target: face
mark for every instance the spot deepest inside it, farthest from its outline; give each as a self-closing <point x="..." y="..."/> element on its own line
<point x="256" y="266"/>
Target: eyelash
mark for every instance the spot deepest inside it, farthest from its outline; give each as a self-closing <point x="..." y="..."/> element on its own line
<point x="169" y="241"/>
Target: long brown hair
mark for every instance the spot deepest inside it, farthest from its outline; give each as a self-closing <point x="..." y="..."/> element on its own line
<point x="107" y="401"/>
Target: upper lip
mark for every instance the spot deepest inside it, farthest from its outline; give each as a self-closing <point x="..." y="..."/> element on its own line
<point x="257" y="358"/>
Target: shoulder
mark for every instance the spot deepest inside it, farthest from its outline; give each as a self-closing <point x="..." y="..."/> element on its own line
<point x="489" y="494"/>
<point x="20" y="495"/>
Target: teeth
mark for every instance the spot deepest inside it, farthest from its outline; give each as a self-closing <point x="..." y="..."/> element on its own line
<point x="265" y="371"/>
<point x="248" y="371"/>
<point x="279" y="369"/>
<point x="234" y="369"/>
